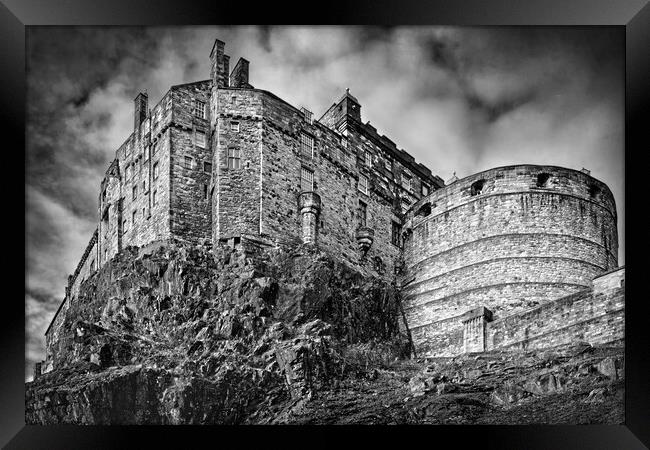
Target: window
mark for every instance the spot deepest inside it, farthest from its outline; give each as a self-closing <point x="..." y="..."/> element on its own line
<point x="234" y="158"/>
<point x="307" y="115"/>
<point x="124" y="225"/>
<point x="406" y="204"/>
<point x="306" y="145"/>
<point x="477" y="187"/>
<point x="200" y="139"/>
<point x="406" y="182"/>
<point x="147" y="152"/>
<point x="594" y="191"/>
<point x="207" y="167"/>
<point x="187" y="162"/>
<point x="143" y="213"/>
<point x="135" y="192"/>
<point x="133" y="218"/>
<point x="154" y="149"/>
<point x="205" y="191"/>
<point x="363" y="184"/>
<point x="425" y="190"/>
<point x="234" y="126"/>
<point x="368" y="157"/>
<point x="395" y="232"/>
<point x="128" y="172"/>
<point x="363" y="214"/>
<point x="306" y="180"/>
<point x="387" y="164"/>
<point x="155" y="170"/>
<point x="424" y="210"/>
<point x="542" y="179"/>
<point x="154" y="197"/>
<point x="199" y="109"/>
<point x="144" y="186"/>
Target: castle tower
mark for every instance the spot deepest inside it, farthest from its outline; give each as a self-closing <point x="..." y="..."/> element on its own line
<point x="506" y="239"/>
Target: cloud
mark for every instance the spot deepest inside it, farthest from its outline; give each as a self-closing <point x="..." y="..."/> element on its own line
<point x="457" y="99"/>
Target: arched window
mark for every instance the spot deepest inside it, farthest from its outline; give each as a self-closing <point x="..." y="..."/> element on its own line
<point x="477" y="187"/>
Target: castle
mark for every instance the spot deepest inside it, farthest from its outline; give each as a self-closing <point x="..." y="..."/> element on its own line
<point x="513" y="257"/>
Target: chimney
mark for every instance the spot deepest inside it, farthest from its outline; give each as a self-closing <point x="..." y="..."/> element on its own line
<point x="239" y="75"/>
<point x="219" y="63"/>
<point x="141" y="105"/>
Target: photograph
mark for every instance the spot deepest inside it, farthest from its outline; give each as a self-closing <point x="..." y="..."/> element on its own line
<point x="319" y="225"/>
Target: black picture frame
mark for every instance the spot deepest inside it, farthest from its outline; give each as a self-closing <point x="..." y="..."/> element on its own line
<point x="633" y="15"/>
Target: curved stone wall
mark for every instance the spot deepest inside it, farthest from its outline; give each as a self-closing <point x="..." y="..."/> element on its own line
<point x="508" y="239"/>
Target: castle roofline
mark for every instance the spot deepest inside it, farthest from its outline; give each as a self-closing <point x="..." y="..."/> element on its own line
<point x="190" y="83"/>
<point x="539" y="166"/>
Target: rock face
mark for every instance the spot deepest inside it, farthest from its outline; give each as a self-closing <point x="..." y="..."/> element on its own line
<point x="183" y="335"/>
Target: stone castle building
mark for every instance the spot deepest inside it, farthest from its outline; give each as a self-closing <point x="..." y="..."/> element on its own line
<point x="513" y="257"/>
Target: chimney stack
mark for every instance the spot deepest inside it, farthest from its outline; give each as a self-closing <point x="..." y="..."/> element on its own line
<point x="219" y="64"/>
<point x="239" y="75"/>
<point x="141" y="105"/>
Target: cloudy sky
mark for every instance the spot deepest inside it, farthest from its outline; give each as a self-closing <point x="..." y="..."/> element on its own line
<point x="458" y="99"/>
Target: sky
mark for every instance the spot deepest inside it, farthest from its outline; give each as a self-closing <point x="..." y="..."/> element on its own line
<point x="459" y="99"/>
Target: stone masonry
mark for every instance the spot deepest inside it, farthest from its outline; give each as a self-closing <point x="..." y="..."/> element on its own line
<point x="220" y="162"/>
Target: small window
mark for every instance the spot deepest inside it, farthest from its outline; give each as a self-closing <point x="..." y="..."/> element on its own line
<point x="143" y="213"/>
<point x="147" y="152"/>
<point x="594" y="191"/>
<point x="200" y="139"/>
<point x="154" y="197"/>
<point x="128" y="172"/>
<point x="363" y="184"/>
<point x="388" y="165"/>
<point x="155" y="170"/>
<point x="207" y="167"/>
<point x="425" y="190"/>
<point x="234" y="126"/>
<point x="199" y="109"/>
<point x="306" y="180"/>
<point x="133" y="218"/>
<point x="124" y="225"/>
<point x="187" y="162"/>
<point x="307" y="145"/>
<point x="363" y="214"/>
<point x="477" y="187"/>
<point x="205" y="191"/>
<point x="234" y="158"/>
<point x="307" y="115"/>
<point x="134" y="192"/>
<point x="368" y="157"/>
<point x="424" y="210"/>
<point x="144" y="186"/>
<point x="407" y="182"/>
<point x="396" y="230"/>
<point x="542" y="179"/>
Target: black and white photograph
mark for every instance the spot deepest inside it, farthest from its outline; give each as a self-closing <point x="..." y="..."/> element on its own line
<point x="317" y="225"/>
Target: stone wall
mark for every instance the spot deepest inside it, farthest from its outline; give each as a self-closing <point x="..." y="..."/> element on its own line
<point x="236" y="190"/>
<point x="191" y="164"/>
<point x="594" y="315"/>
<point x="508" y="239"/>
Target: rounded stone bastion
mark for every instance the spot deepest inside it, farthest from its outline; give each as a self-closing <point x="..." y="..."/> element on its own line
<point x="506" y="239"/>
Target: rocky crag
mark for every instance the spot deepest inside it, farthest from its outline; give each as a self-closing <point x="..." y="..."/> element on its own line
<point x="183" y="335"/>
